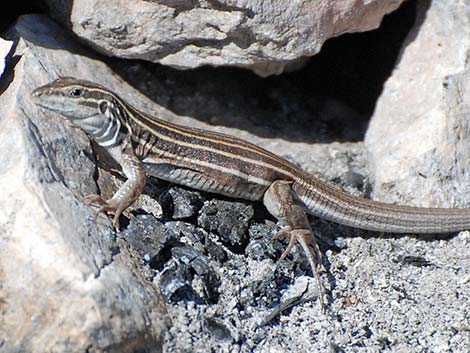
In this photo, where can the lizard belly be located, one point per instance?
(233, 184)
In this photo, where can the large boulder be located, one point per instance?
(66, 283)
(265, 36)
(419, 135)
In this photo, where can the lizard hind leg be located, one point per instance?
(280, 202)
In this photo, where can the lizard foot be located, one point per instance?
(93, 199)
(109, 207)
(305, 239)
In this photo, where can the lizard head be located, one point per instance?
(73, 98)
(87, 105)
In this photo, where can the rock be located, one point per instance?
(67, 283)
(228, 220)
(302, 290)
(200, 264)
(189, 276)
(267, 37)
(262, 245)
(177, 251)
(175, 285)
(181, 203)
(199, 239)
(258, 247)
(419, 134)
(193, 235)
(148, 236)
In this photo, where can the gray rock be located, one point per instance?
(176, 250)
(202, 268)
(181, 203)
(175, 285)
(199, 239)
(194, 236)
(263, 245)
(148, 236)
(419, 136)
(228, 220)
(67, 283)
(267, 37)
(258, 248)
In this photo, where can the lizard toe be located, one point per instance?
(93, 199)
(306, 240)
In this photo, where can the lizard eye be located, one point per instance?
(76, 92)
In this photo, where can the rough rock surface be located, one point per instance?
(265, 36)
(419, 135)
(386, 293)
(66, 283)
(229, 220)
(180, 203)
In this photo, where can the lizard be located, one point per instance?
(218, 163)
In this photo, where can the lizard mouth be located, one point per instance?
(44, 97)
(47, 98)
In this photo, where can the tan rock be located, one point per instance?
(265, 36)
(67, 285)
(419, 135)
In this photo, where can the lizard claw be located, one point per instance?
(110, 206)
(292, 235)
(286, 233)
(305, 239)
(93, 199)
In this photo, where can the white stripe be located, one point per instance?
(106, 132)
(114, 139)
(247, 177)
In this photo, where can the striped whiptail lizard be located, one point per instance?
(226, 165)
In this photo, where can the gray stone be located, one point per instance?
(228, 220)
(181, 203)
(175, 285)
(199, 239)
(200, 264)
(419, 136)
(194, 236)
(188, 276)
(268, 37)
(262, 245)
(148, 236)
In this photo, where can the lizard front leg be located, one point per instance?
(279, 200)
(131, 189)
